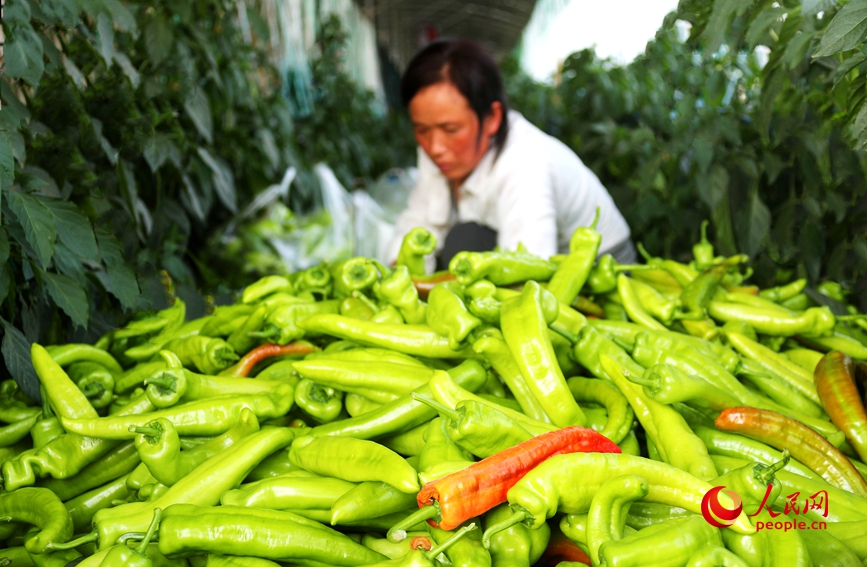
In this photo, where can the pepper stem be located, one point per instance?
(448, 412)
(642, 380)
(142, 430)
(565, 333)
(46, 405)
(644, 253)
(767, 473)
(226, 355)
(704, 224)
(632, 268)
(384, 272)
(366, 300)
(272, 332)
(87, 538)
(130, 536)
(160, 381)
(444, 546)
(857, 317)
(5, 562)
(398, 531)
(93, 390)
(515, 518)
(143, 546)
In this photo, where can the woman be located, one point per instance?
(487, 177)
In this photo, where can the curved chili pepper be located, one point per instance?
(418, 340)
(370, 499)
(448, 502)
(400, 549)
(355, 274)
(176, 315)
(676, 541)
(838, 341)
(440, 448)
(574, 270)
(225, 319)
(835, 383)
(420, 558)
(778, 390)
(423, 284)
(322, 403)
(207, 355)
(467, 552)
(117, 462)
(64, 355)
(525, 320)
(381, 382)
(65, 397)
(397, 289)
(448, 316)
(814, 322)
(633, 306)
(517, 546)
(804, 444)
(95, 382)
(619, 413)
(703, 251)
(266, 286)
(563, 552)
(286, 493)
(356, 460)
(41, 508)
(500, 268)
(418, 243)
(607, 514)
(244, 367)
(314, 279)
(15, 432)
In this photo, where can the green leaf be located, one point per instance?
(63, 11)
(109, 150)
(810, 7)
(106, 38)
(757, 225)
(158, 39)
(124, 285)
(12, 106)
(23, 53)
(38, 224)
(846, 31)
(199, 110)
(796, 50)
(68, 262)
(4, 248)
(73, 228)
(722, 12)
(5, 281)
(128, 69)
(16, 355)
(224, 183)
(859, 128)
(848, 64)
(759, 26)
(17, 12)
(123, 18)
(69, 296)
(7, 161)
(159, 149)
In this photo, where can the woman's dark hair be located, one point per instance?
(469, 67)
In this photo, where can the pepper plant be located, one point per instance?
(700, 129)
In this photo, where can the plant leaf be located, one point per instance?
(5, 280)
(846, 31)
(69, 296)
(128, 69)
(16, 355)
(224, 183)
(159, 149)
(106, 38)
(797, 48)
(121, 15)
(810, 7)
(199, 110)
(7, 161)
(73, 228)
(38, 224)
(718, 23)
(124, 285)
(763, 20)
(62, 11)
(68, 262)
(158, 38)
(23, 53)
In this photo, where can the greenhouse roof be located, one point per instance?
(403, 25)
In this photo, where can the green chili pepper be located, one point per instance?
(65, 355)
(117, 462)
(357, 404)
(632, 304)
(418, 340)
(364, 354)
(266, 286)
(778, 389)
(356, 460)
(676, 442)
(84, 506)
(204, 487)
(95, 382)
(65, 397)
(284, 493)
(703, 251)
(439, 447)
(553, 486)
(322, 403)
(225, 319)
(41, 508)
(676, 541)
(124, 555)
(315, 279)
(178, 312)
(398, 289)
(368, 500)
(403, 413)
(355, 308)
(500, 268)
(517, 546)
(826, 550)
(381, 382)
(840, 342)
(851, 534)
(221, 414)
(573, 272)
(355, 274)
(419, 558)
(697, 294)
(496, 352)
(215, 560)
(12, 434)
(607, 514)
(204, 353)
(448, 316)
(525, 321)
(467, 552)
(620, 414)
(417, 243)
(814, 322)
(282, 325)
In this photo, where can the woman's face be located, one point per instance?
(447, 129)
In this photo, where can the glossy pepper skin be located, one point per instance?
(119, 461)
(322, 403)
(218, 474)
(64, 395)
(440, 448)
(355, 460)
(479, 428)
(675, 541)
(606, 394)
(83, 507)
(667, 385)
(419, 558)
(500, 268)
(67, 354)
(95, 382)
(208, 355)
(467, 552)
(282, 324)
(379, 381)
(176, 314)
(418, 243)
(517, 546)
(607, 514)
(835, 383)
(289, 492)
(802, 442)
(574, 270)
(815, 321)
(482, 301)
(525, 321)
(448, 316)
(398, 290)
(551, 486)
(451, 500)
(633, 306)
(270, 534)
(41, 508)
(266, 286)
(369, 500)
(404, 412)
(123, 555)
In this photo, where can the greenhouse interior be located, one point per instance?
(372, 283)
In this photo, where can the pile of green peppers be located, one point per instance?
(297, 426)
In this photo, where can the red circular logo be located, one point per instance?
(715, 513)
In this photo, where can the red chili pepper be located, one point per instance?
(804, 444)
(243, 367)
(835, 382)
(423, 284)
(561, 548)
(448, 502)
